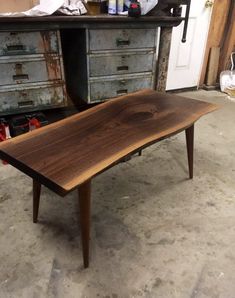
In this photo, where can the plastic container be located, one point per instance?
(120, 6)
(93, 7)
(112, 7)
(227, 80)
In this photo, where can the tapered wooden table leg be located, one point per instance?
(36, 199)
(84, 195)
(190, 146)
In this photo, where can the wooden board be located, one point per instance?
(213, 66)
(86, 21)
(16, 5)
(216, 31)
(229, 40)
(67, 153)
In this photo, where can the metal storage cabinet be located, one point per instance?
(105, 63)
(31, 72)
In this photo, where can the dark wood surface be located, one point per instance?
(86, 21)
(36, 199)
(70, 152)
(189, 132)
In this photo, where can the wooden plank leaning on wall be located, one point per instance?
(228, 45)
(221, 34)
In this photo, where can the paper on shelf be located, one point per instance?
(46, 7)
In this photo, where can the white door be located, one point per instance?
(185, 61)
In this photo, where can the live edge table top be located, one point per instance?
(65, 154)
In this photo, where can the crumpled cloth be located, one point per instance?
(73, 7)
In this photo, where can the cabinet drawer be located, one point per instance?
(112, 64)
(113, 39)
(20, 43)
(16, 71)
(44, 97)
(104, 89)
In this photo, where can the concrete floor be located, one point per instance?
(154, 232)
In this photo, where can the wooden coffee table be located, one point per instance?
(67, 154)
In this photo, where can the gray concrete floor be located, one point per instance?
(154, 232)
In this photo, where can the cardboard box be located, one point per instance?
(16, 5)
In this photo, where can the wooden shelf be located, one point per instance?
(86, 21)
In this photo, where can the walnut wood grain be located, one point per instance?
(70, 152)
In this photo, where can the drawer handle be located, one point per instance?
(122, 42)
(122, 92)
(124, 67)
(20, 77)
(24, 104)
(15, 48)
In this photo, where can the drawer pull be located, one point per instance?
(124, 67)
(122, 42)
(16, 48)
(20, 77)
(23, 104)
(122, 92)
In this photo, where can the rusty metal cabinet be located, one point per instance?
(105, 63)
(31, 72)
